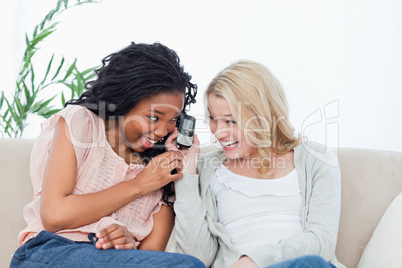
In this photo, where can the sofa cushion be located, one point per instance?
(371, 179)
(385, 246)
(15, 193)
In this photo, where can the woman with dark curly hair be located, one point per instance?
(102, 178)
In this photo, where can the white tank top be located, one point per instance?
(257, 211)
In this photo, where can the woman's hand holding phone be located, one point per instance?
(190, 155)
(158, 172)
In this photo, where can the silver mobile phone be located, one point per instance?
(186, 130)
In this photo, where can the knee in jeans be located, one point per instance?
(193, 262)
(315, 260)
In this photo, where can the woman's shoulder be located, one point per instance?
(84, 126)
(309, 152)
(74, 112)
(311, 148)
(71, 114)
(208, 162)
(212, 158)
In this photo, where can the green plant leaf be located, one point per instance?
(23, 75)
(50, 15)
(41, 106)
(35, 31)
(9, 129)
(30, 99)
(63, 99)
(58, 69)
(85, 72)
(32, 72)
(13, 114)
(80, 87)
(42, 36)
(27, 39)
(92, 75)
(80, 82)
(63, 83)
(49, 113)
(35, 107)
(59, 4)
(70, 69)
(6, 113)
(16, 108)
(46, 103)
(27, 60)
(73, 88)
(1, 100)
(43, 111)
(19, 106)
(48, 69)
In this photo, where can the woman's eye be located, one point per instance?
(231, 122)
(153, 118)
(211, 118)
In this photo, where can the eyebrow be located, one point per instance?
(227, 115)
(161, 113)
(156, 112)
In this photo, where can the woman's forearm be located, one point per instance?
(75, 210)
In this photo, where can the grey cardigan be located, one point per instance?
(199, 233)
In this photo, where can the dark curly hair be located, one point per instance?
(131, 74)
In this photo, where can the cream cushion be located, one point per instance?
(385, 246)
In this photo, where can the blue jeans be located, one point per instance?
(307, 261)
(51, 250)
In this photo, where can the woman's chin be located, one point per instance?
(230, 154)
(137, 147)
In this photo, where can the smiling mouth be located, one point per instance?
(151, 141)
(229, 144)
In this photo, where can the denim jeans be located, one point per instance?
(51, 250)
(307, 261)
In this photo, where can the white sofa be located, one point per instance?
(371, 180)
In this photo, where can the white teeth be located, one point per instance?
(229, 143)
(151, 141)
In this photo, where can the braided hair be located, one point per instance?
(131, 74)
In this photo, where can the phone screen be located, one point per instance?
(187, 126)
(186, 130)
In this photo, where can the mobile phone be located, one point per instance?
(186, 130)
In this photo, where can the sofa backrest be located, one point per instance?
(370, 181)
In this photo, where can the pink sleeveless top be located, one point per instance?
(98, 168)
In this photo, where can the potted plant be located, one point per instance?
(15, 109)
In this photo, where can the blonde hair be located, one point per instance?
(259, 106)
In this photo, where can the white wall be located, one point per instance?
(339, 61)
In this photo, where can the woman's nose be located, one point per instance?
(161, 130)
(221, 131)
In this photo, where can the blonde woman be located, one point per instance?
(264, 199)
